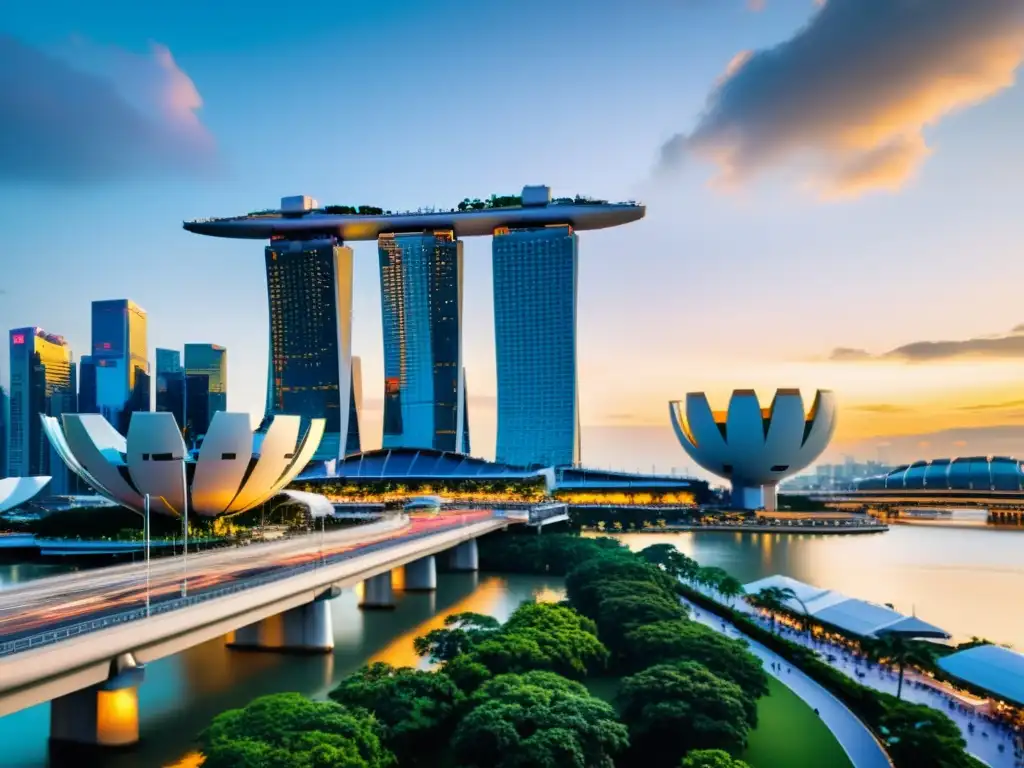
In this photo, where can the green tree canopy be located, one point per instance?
(287, 730)
(584, 586)
(669, 641)
(617, 615)
(460, 632)
(916, 735)
(711, 758)
(673, 708)
(671, 560)
(538, 719)
(416, 710)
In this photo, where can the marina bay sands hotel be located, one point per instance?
(535, 255)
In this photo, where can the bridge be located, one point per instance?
(82, 640)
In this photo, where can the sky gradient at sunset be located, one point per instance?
(829, 189)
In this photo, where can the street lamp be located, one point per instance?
(147, 535)
(184, 496)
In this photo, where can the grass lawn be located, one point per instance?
(790, 735)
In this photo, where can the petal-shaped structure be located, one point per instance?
(228, 477)
(223, 463)
(155, 455)
(752, 446)
(15, 491)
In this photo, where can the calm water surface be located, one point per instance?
(968, 580)
(182, 693)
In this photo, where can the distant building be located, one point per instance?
(465, 448)
(63, 482)
(421, 306)
(41, 368)
(309, 292)
(208, 362)
(198, 415)
(535, 275)
(120, 354)
(87, 402)
(354, 443)
(170, 384)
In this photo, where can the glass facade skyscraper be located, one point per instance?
(309, 290)
(211, 361)
(421, 307)
(87, 385)
(41, 369)
(535, 276)
(170, 384)
(120, 354)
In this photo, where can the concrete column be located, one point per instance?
(464, 557)
(102, 715)
(421, 575)
(305, 629)
(377, 592)
(747, 496)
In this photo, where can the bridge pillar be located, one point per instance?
(464, 557)
(102, 715)
(421, 575)
(304, 629)
(377, 592)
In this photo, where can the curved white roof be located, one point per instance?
(751, 445)
(229, 476)
(15, 491)
(858, 617)
(318, 506)
(990, 667)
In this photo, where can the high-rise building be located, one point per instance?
(63, 481)
(421, 305)
(211, 361)
(120, 354)
(197, 401)
(535, 275)
(354, 443)
(87, 385)
(464, 448)
(41, 367)
(170, 384)
(5, 420)
(309, 290)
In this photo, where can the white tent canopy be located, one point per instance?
(990, 667)
(858, 617)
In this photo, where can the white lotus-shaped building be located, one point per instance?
(233, 471)
(15, 491)
(755, 447)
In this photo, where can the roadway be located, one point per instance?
(69, 599)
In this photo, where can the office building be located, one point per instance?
(87, 402)
(210, 363)
(63, 482)
(120, 355)
(170, 384)
(309, 291)
(535, 276)
(354, 443)
(421, 307)
(41, 367)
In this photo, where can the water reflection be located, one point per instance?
(182, 693)
(966, 580)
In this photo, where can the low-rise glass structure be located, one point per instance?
(970, 473)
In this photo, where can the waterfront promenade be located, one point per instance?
(855, 738)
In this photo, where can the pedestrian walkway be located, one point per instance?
(855, 738)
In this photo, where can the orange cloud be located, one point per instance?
(847, 99)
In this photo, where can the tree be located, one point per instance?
(898, 650)
(461, 631)
(673, 708)
(619, 614)
(538, 719)
(416, 710)
(711, 758)
(287, 730)
(772, 600)
(585, 584)
(671, 560)
(918, 735)
(674, 641)
(730, 588)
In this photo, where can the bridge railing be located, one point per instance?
(58, 634)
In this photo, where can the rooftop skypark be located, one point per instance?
(301, 216)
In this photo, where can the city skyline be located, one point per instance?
(817, 263)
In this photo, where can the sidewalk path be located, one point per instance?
(854, 737)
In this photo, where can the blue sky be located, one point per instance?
(748, 271)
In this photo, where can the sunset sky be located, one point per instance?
(833, 190)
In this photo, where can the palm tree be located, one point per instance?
(730, 588)
(770, 599)
(898, 650)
